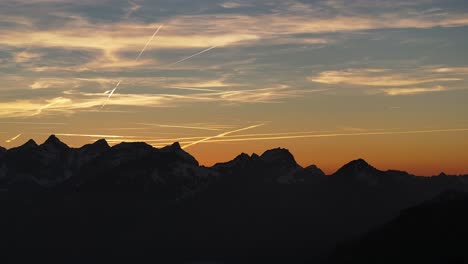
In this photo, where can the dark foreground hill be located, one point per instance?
(134, 203)
(435, 231)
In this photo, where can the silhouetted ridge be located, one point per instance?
(30, 144)
(239, 162)
(2, 149)
(132, 146)
(135, 200)
(355, 167)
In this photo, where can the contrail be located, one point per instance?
(91, 135)
(341, 135)
(189, 127)
(111, 92)
(194, 89)
(147, 43)
(220, 135)
(136, 59)
(13, 139)
(32, 123)
(180, 126)
(189, 57)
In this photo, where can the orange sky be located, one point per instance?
(329, 81)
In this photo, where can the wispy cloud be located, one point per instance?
(452, 70)
(207, 30)
(33, 123)
(410, 91)
(375, 77)
(54, 83)
(134, 7)
(206, 84)
(73, 101)
(25, 56)
(232, 4)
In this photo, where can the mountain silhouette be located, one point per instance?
(133, 201)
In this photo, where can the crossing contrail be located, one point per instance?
(382, 133)
(136, 59)
(220, 135)
(189, 57)
(110, 92)
(13, 139)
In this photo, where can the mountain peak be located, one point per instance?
(315, 170)
(101, 143)
(177, 149)
(174, 147)
(30, 144)
(359, 164)
(280, 155)
(98, 146)
(442, 174)
(54, 142)
(357, 167)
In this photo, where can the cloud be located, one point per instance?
(205, 30)
(452, 70)
(410, 91)
(73, 101)
(230, 5)
(116, 37)
(374, 77)
(134, 7)
(206, 84)
(54, 83)
(26, 56)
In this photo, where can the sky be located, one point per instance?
(330, 80)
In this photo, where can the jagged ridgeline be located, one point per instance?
(134, 200)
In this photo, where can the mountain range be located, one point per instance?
(134, 202)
